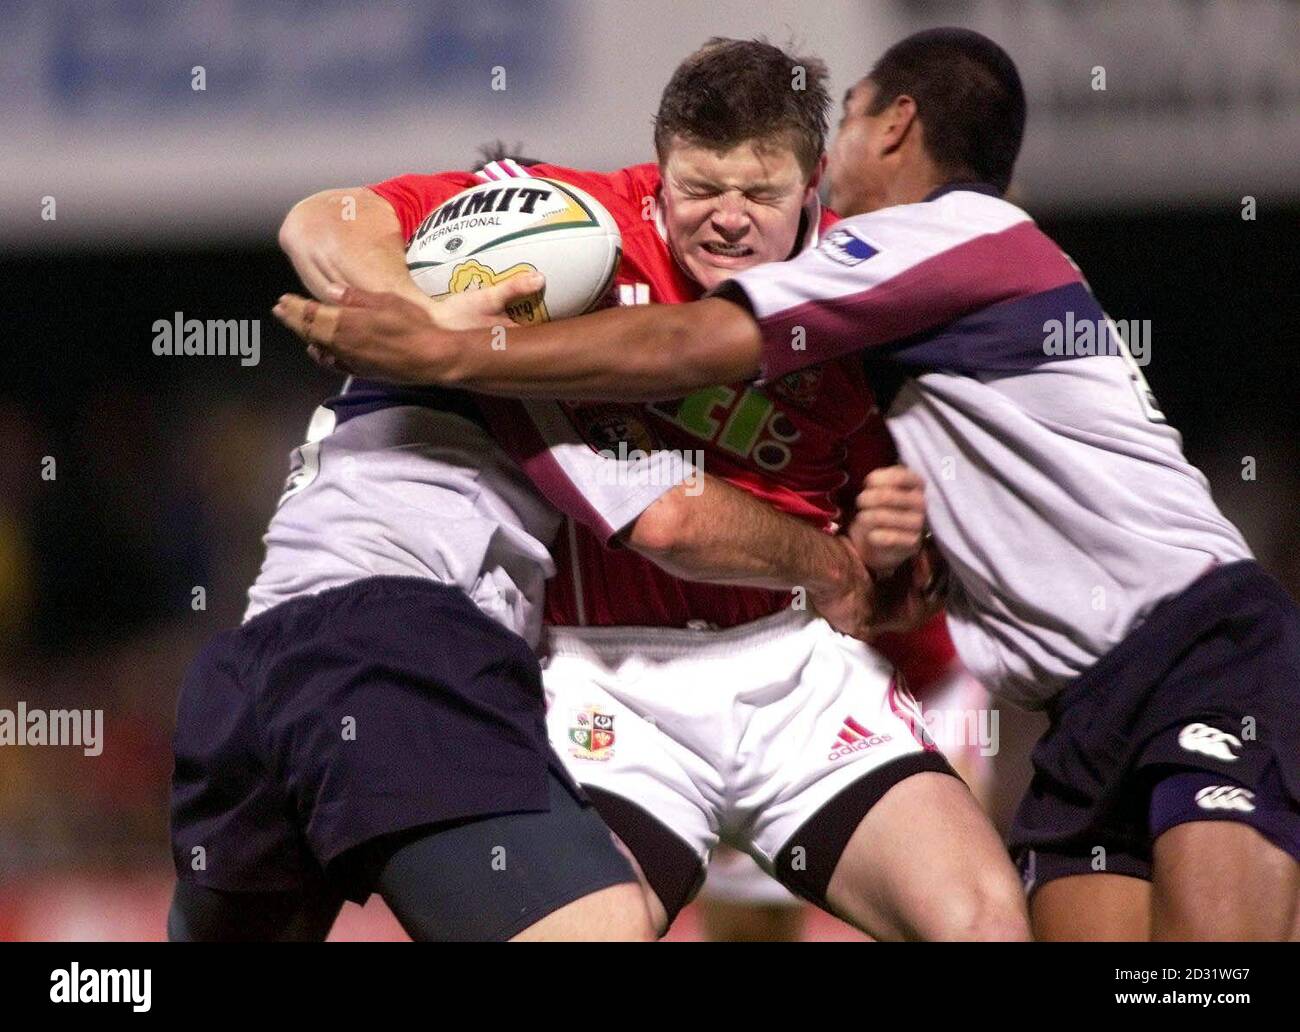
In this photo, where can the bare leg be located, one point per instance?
(925, 863)
(1222, 880)
(1092, 908)
(615, 914)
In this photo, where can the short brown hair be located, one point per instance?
(733, 90)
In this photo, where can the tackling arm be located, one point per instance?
(634, 353)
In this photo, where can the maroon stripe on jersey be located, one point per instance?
(518, 435)
(988, 270)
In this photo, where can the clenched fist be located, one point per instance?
(889, 524)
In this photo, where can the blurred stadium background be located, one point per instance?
(166, 198)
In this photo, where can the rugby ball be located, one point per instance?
(500, 229)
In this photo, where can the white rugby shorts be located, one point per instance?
(740, 735)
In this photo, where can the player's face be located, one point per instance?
(855, 168)
(725, 211)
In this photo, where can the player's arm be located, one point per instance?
(918, 272)
(724, 535)
(641, 352)
(771, 319)
(356, 237)
(350, 236)
(637, 352)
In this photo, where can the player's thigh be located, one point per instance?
(965, 889)
(1092, 907)
(1222, 880)
(495, 878)
(614, 914)
(202, 914)
(852, 793)
(1226, 851)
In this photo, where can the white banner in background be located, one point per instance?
(154, 119)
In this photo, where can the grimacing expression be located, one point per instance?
(726, 211)
(854, 170)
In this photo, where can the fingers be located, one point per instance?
(325, 359)
(314, 322)
(891, 507)
(897, 475)
(885, 551)
(890, 521)
(877, 543)
(508, 303)
(515, 288)
(895, 489)
(354, 297)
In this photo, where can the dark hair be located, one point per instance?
(733, 90)
(968, 97)
(498, 151)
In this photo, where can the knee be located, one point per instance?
(990, 909)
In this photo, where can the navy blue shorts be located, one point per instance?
(1208, 685)
(334, 719)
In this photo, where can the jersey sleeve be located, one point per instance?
(884, 277)
(414, 196)
(598, 489)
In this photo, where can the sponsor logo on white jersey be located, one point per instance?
(1226, 797)
(841, 244)
(1211, 741)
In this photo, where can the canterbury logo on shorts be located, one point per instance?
(1226, 797)
(1211, 741)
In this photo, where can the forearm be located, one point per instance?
(634, 353)
(348, 236)
(727, 536)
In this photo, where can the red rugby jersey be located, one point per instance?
(801, 444)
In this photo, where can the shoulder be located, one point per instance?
(621, 191)
(950, 219)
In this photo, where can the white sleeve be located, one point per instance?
(604, 490)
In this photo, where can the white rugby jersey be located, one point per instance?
(1056, 489)
(412, 482)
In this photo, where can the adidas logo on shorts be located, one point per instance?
(853, 737)
(1211, 741)
(1226, 797)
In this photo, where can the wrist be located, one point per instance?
(841, 575)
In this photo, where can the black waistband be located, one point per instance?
(360, 397)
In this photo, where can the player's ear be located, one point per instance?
(897, 120)
(814, 184)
